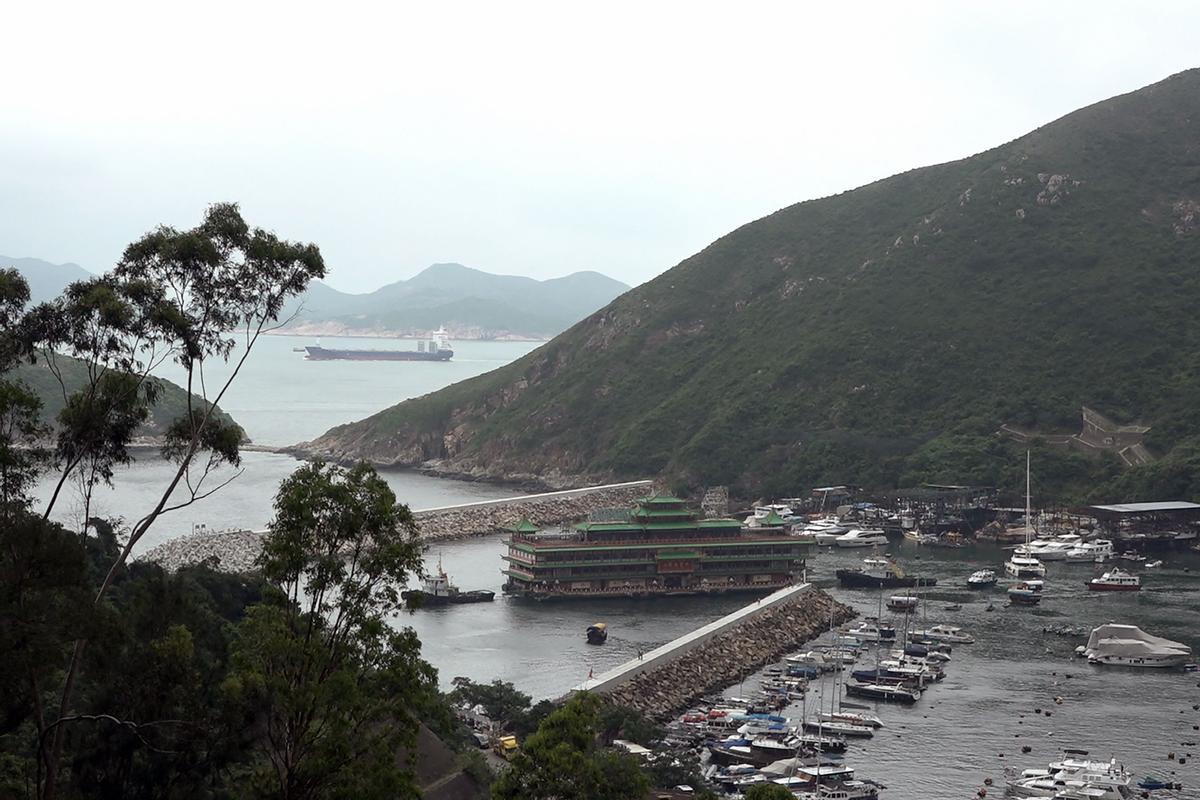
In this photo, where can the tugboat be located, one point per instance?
(1115, 580)
(598, 633)
(437, 590)
(877, 573)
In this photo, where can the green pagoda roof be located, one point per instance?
(772, 519)
(524, 526)
(660, 500)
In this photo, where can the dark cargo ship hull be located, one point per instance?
(855, 579)
(322, 354)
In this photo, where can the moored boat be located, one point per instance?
(1024, 594)
(437, 590)
(982, 579)
(884, 692)
(862, 537)
(1130, 646)
(880, 573)
(902, 602)
(945, 633)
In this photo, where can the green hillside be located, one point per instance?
(882, 335)
(171, 405)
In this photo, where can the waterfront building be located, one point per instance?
(659, 547)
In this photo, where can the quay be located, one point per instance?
(236, 550)
(671, 677)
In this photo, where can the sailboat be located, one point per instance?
(1022, 564)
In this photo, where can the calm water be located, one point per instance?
(949, 742)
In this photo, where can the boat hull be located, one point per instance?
(1113, 587)
(323, 354)
(855, 579)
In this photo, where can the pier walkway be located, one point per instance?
(672, 650)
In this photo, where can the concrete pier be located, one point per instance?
(671, 678)
(672, 650)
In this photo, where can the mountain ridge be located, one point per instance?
(876, 336)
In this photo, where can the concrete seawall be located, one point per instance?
(236, 551)
(670, 678)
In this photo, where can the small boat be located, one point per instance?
(1132, 556)
(1151, 784)
(869, 720)
(598, 633)
(861, 537)
(945, 633)
(1153, 564)
(982, 579)
(1022, 594)
(873, 631)
(1095, 551)
(839, 728)
(1130, 646)
(902, 602)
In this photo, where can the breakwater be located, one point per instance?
(236, 550)
(673, 677)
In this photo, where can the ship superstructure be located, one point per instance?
(659, 547)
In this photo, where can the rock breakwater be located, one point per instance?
(723, 660)
(236, 551)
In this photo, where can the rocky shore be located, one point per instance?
(235, 551)
(725, 659)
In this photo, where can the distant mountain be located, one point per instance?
(469, 302)
(46, 280)
(880, 336)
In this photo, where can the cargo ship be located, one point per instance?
(436, 348)
(659, 547)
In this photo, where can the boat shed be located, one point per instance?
(1169, 511)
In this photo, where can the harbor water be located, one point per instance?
(966, 728)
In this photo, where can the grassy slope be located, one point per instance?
(877, 334)
(171, 405)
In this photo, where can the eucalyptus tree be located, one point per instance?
(193, 297)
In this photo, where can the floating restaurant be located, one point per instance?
(659, 547)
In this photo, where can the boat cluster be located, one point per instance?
(1076, 777)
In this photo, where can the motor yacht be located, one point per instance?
(861, 537)
(945, 633)
(1025, 594)
(1095, 551)
(1115, 580)
(1130, 646)
(873, 631)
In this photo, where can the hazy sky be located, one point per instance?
(523, 138)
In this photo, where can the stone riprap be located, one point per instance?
(727, 658)
(235, 551)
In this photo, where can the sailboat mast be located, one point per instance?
(1028, 504)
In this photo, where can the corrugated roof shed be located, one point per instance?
(1147, 508)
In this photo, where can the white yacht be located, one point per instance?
(982, 578)
(872, 631)
(945, 633)
(861, 537)
(1075, 778)
(1130, 646)
(1050, 549)
(1096, 551)
(1024, 566)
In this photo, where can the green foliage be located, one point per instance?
(564, 761)
(334, 692)
(767, 791)
(835, 340)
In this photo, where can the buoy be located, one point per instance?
(1048, 713)
(1171, 756)
(987, 781)
(1026, 748)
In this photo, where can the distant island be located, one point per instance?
(469, 303)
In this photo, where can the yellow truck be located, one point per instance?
(506, 747)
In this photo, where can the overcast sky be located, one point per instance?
(534, 139)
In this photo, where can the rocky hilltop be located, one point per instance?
(879, 336)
